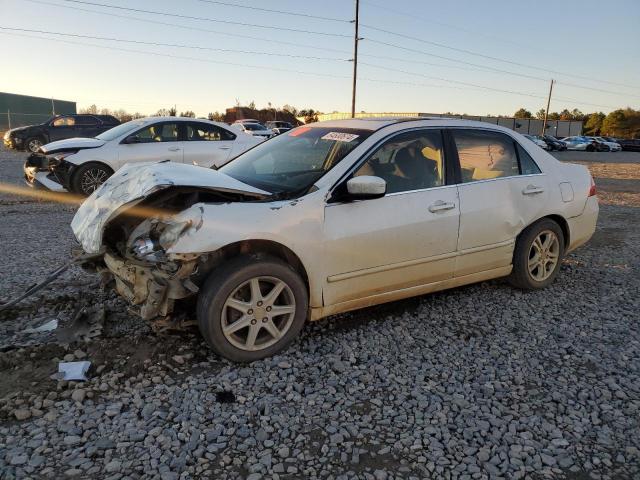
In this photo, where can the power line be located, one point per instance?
(317, 74)
(226, 4)
(157, 54)
(192, 28)
(493, 69)
(430, 20)
(197, 47)
(206, 19)
(483, 87)
(489, 57)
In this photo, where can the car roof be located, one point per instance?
(377, 123)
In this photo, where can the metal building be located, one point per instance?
(18, 110)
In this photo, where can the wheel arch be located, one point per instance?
(562, 223)
(262, 247)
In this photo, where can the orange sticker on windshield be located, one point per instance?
(299, 131)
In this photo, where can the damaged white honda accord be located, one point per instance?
(332, 217)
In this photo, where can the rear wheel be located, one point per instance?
(537, 256)
(590, 148)
(32, 144)
(251, 308)
(88, 177)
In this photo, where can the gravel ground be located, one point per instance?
(477, 382)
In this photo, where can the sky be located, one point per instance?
(414, 56)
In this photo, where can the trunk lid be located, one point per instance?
(133, 183)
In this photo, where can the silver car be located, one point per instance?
(331, 217)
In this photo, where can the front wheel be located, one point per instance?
(89, 177)
(33, 144)
(537, 256)
(252, 307)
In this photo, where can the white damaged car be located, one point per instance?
(81, 165)
(331, 217)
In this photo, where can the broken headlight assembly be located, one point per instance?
(151, 239)
(55, 160)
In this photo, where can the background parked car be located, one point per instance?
(255, 129)
(630, 145)
(279, 126)
(537, 140)
(81, 165)
(554, 143)
(612, 144)
(60, 127)
(580, 143)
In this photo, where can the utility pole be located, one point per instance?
(9, 118)
(546, 112)
(355, 61)
(53, 108)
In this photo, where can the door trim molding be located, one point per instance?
(418, 261)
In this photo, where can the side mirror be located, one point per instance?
(131, 139)
(365, 187)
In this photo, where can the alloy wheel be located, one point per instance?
(544, 255)
(92, 179)
(258, 313)
(34, 144)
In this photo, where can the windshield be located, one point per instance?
(115, 132)
(294, 161)
(254, 126)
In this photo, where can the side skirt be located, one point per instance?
(320, 312)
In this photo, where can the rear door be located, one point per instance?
(502, 190)
(406, 238)
(207, 145)
(87, 126)
(153, 143)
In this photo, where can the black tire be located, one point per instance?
(88, 177)
(521, 276)
(32, 144)
(590, 148)
(224, 281)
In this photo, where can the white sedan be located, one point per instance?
(331, 217)
(81, 165)
(253, 128)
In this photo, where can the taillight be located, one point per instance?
(592, 188)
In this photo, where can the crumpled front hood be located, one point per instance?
(71, 144)
(133, 183)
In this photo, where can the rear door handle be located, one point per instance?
(532, 190)
(174, 149)
(225, 148)
(440, 206)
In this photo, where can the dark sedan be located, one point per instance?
(630, 145)
(60, 127)
(554, 143)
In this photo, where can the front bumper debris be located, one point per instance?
(151, 288)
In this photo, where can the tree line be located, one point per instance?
(623, 123)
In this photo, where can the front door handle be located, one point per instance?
(532, 190)
(174, 149)
(439, 206)
(226, 147)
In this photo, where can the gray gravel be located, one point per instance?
(477, 382)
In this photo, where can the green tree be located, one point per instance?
(188, 113)
(540, 114)
(522, 113)
(554, 116)
(216, 116)
(172, 112)
(593, 125)
(616, 124)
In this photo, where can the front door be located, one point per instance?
(153, 143)
(502, 191)
(406, 238)
(62, 128)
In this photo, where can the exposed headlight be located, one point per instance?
(153, 237)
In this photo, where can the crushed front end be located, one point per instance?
(134, 219)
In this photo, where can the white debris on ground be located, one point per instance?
(478, 382)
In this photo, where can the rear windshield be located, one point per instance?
(294, 161)
(254, 126)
